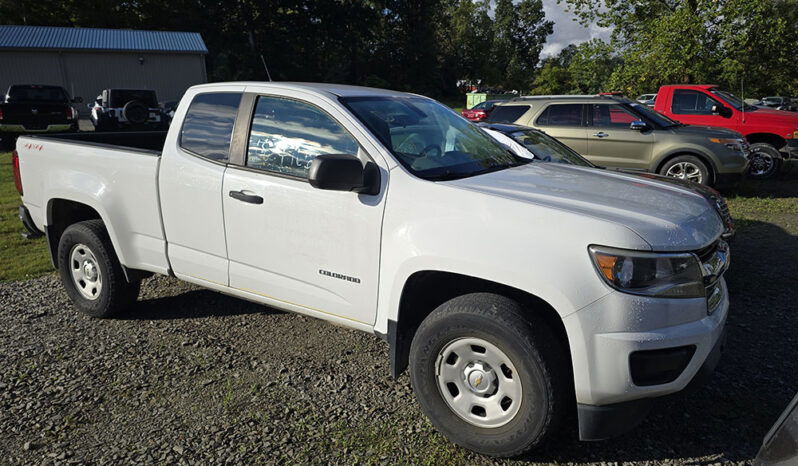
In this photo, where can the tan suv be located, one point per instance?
(620, 133)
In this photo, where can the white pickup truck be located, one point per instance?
(512, 288)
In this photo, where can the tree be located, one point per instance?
(519, 32)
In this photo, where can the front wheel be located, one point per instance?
(91, 273)
(686, 167)
(765, 161)
(487, 377)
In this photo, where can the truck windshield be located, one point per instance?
(733, 100)
(37, 94)
(429, 139)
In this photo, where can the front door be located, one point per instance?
(291, 243)
(612, 143)
(693, 107)
(564, 122)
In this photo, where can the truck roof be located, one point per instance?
(691, 86)
(339, 90)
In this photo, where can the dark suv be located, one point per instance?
(35, 108)
(119, 109)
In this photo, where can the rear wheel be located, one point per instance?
(765, 161)
(686, 167)
(487, 377)
(91, 273)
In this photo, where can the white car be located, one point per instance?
(513, 289)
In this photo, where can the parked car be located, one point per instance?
(647, 99)
(122, 109)
(169, 108)
(773, 134)
(36, 108)
(617, 132)
(511, 289)
(480, 111)
(780, 103)
(535, 144)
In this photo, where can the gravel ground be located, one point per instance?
(191, 376)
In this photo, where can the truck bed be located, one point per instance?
(115, 174)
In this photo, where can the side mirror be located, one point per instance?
(343, 172)
(638, 125)
(77, 100)
(721, 110)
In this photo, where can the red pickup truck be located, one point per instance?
(773, 134)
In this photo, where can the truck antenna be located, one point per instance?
(263, 60)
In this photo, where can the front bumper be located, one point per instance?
(11, 128)
(604, 336)
(791, 149)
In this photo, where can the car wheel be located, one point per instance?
(765, 161)
(487, 377)
(91, 273)
(687, 167)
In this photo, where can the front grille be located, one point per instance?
(714, 262)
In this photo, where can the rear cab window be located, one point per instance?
(507, 113)
(208, 125)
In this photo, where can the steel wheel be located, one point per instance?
(478, 382)
(686, 171)
(85, 271)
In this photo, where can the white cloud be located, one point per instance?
(567, 30)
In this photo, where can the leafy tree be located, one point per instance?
(519, 32)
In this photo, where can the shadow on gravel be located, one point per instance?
(757, 377)
(193, 304)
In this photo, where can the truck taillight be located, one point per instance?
(15, 168)
(69, 112)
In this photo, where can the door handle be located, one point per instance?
(600, 134)
(244, 197)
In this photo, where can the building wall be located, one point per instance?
(86, 74)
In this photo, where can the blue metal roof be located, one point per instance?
(45, 37)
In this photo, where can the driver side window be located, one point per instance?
(286, 135)
(692, 103)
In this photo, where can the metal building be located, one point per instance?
(85, 61)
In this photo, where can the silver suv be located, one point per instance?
(617, 132)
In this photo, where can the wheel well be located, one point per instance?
(426, 290)
(768, 138)
(61, 213)
(701, 157)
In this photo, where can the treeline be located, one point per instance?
(746, 46)
(421, 45)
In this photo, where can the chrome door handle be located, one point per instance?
(600, 134)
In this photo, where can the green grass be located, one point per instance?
(19, 258)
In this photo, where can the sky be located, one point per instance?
(566, 30)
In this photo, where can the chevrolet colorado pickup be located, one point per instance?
(772, 134)
(512, 289)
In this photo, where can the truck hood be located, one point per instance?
(767, 115)
(707, 131)
(667, 216)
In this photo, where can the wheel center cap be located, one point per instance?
(477, 380)
(89, 270)
(480, 378)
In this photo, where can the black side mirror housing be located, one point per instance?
(638, 125)
(344, 172)
(721, 110)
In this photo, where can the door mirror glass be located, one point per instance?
(343, 172)
(638, 125)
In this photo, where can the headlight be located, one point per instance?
(733, 144)
(664, 275)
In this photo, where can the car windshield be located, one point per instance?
(37, 94)
(429, 139)
(733, 100)
(548, 149)
(653, 116)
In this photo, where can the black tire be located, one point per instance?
(540, 363)
(136, 112)
(115, 294)
(766, 161)
(687, 166)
